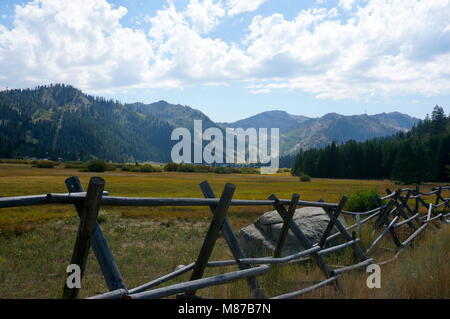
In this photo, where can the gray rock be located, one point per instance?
(260, 239)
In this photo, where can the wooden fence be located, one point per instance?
(395, 210)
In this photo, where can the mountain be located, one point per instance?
(281, 119)
(176, 115)
(299, 132)
(61, 121)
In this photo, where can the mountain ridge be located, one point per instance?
(65, 122)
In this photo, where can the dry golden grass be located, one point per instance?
(36, 242)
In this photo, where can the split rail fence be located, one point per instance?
(395, 210)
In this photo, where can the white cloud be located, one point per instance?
(383, 48)
(386, 47)
(204, 15)
(187, 58)
(240, 6)
(260, 91)
(80, 42)
(346, 4)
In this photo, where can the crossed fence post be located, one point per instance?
(88, 220)
(218, 220)
(99, 243)
(298, 233)
(233, 243)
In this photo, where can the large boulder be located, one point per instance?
(260, 239)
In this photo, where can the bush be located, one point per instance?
(362, 201)
(96, 166)
(126, 168)
(247, 170)
(73, 166)
(171, 167)
(44, 164)
(203, 168)
(149, 169)
(305, 178)
(222, 170)
(110, 167)
(186, 168)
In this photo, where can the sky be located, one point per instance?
(232, 58)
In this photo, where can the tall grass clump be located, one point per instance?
(44, 164)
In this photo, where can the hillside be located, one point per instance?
(61, 121)
(428, 144)
(299, 132)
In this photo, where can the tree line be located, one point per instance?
(420, 155)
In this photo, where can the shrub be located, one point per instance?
(247, 170)
(305, 178)
(44, 164)
(97, 166)
(147, 168)
(362, 201)
(73, 166)
(125, 168)
(171, 167)
(222, 170)
(110, 167)
(186, 168)
(203, 168)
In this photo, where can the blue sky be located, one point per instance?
(232, 59)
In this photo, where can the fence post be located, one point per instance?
(286, 225)
(88, 219)
(341, 228)
(385, 220)
(438, 196)
(212, 234)
(330, 225)
(400, 208)
(416, 206)
(233, 243)
(358, 224)
(99, 243)
(304, 241)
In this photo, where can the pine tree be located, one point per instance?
(404, 166)
(438, 121)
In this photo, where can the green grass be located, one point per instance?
(36, 242)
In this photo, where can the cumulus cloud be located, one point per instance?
(238, 6)
(385, 47)
(80, 42)
(380, 48)
(346, 4)
(204, 15)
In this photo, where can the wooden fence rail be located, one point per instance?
(395, 211)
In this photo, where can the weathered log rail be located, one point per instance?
(395, 211)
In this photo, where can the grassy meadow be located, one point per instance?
(36, 242)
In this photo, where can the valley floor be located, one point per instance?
(36, 242)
